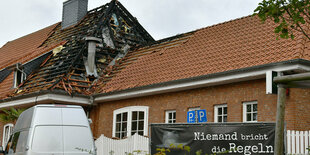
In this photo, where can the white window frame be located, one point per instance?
(167, 119)
(196, 114)
(252, 112)
(22, 78)
(216, 107)
(129, 111)
(5, 138)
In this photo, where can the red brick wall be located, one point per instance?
(297, 105)
(297, 109)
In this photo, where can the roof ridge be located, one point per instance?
(193, 31)
(225, 22)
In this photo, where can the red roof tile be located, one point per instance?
(236, 44)
(25, 48)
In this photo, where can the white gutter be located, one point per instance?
(223, 79)
(47, 98)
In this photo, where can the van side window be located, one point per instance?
(14, 142)
(18, 142)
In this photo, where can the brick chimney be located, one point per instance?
(73, 11)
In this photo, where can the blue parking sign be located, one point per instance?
(202, 115)
(191, 115)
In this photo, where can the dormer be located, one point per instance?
(19, 75)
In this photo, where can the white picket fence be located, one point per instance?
(298, 142)
(132, 144)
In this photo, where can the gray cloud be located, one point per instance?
(161, 18)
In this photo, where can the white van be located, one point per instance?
(52, 130)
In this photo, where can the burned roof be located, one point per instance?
(115, 30)
(127, 57)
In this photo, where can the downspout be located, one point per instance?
(89, 63)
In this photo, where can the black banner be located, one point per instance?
(215, 138)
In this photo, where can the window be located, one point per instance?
(170, 116)
(130, 120)
(18, 142)
(220, 113)
(196, 113)
(19, 77)
(250, 111)
(7, 131)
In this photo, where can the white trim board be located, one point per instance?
(46, 98)
(224, 79)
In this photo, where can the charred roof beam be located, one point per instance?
(139, 26)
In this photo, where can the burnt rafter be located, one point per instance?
(66, 69)
(71, 64)
(135, 22)
(103, 19)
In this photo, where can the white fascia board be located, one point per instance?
(212, 81)
(46, 98)
(63, 98)
(17, 102)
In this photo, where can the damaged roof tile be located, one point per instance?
(65, 70)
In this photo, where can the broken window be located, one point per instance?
(19, 77)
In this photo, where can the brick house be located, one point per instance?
(108, 63)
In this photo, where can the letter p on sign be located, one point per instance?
(202, 115)
(191, 117)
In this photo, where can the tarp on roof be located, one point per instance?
(34, 64)
(4, 73)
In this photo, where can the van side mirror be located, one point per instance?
(1, 150)
(90, 121)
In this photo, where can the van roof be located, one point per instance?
(58, 106)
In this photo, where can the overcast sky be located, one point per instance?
(161, 18)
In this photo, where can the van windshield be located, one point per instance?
(24, 120)
(17, 142)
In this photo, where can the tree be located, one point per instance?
(10, 115)
(291, 16)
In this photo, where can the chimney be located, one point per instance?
(73, 11)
